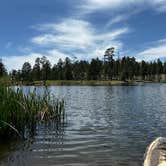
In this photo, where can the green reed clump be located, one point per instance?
(19, 112)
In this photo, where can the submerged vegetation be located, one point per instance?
(20, 112)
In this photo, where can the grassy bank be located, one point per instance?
(20, 112)
(80, 82)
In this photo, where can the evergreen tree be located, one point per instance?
(124, 69)
(164, 68)
(77, 71)
(54, 73)
(36, 70)
(116, 69)
(94, 69)
(45, 68)
(68, 69)
(14, 75)
(60, 70)
(26, 72)
(2, 69)
(159, 69)
(144, 70)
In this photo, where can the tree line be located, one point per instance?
(124, 69)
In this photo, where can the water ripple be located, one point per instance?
(105, 126)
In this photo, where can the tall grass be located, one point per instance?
(19, 112)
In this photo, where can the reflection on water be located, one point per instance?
(105, 126)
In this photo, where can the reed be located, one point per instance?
(19, 112)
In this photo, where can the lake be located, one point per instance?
(104, 126)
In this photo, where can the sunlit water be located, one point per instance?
(104, 126)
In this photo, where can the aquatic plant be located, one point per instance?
(19, 111)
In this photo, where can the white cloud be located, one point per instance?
(97, 50)
(154, 52)
(159, 5)
(90, 6)
(112, 5)
(69, 33)
(81, 35)
(16, 62)
(24, 50)
(81, 39)
(113, 35)
(122, 17)
(117, 19)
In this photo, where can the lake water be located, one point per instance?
(104, 126)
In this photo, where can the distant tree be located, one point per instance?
(68, 69)
(137, 69)
(109, 69)
(94, 69)
(123, 72)
(109, 63)
(26, 72)
(164, 68)
(154, 68)
(144, 69)
(14, 75)
(19, 75)
(37, 70)
(131, 67)
(2, 68)
(80, 70)
(116, 69)
(159, 69)
(77, 71)
(45, 68)
(60, 69)
(126, 68)
(149, 71)
(84, 68)
(54, 73)
(109, 53)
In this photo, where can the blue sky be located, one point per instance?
(81, 29)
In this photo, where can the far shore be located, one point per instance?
(85, 83)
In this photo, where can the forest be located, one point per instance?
(125, 68)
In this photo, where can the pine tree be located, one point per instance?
(26, 72)
(45, 68)
(2, 69)
(68, 69)
(37, 70)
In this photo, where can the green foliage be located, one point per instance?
(3, 71)
(45, 68)
(68, 69)
(36, 70)
(20, 112)
(26, 72)
(94, 69)
(126, 68)
(164, 68)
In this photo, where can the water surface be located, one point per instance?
(105, 126)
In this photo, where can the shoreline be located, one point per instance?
(85, 83)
